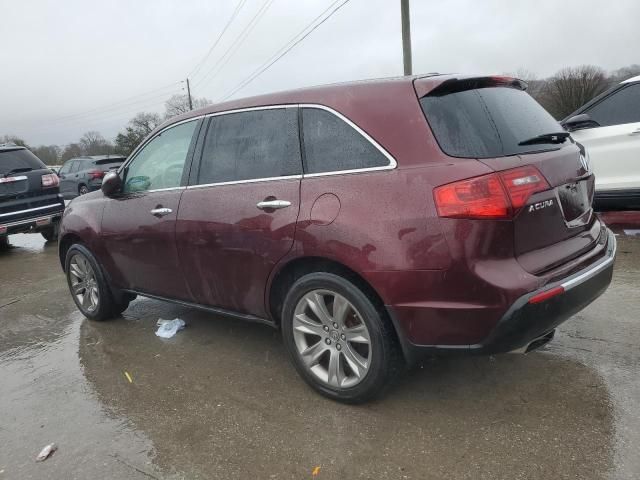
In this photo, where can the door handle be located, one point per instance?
(273, 204)
(161, 212)
(635, 132)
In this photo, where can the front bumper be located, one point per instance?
(533, 316)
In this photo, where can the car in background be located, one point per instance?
(30, 200)
(609, 128)
(372, 222)
(81, 175)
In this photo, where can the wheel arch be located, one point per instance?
(295, 268)
(64, 243)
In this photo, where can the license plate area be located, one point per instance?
(575, 202)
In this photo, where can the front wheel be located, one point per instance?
(83, 190)
(340, 342)
(88, 286)
(50, 233)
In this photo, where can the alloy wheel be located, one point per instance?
(84, 285)
(83, 190)
(331, 338)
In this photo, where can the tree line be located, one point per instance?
(561, 94)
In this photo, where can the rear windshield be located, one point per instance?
(487, 122)
(18, 159)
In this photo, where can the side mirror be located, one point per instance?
(111, 184)
(578, 122)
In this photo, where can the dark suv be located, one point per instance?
(29, 196)
(82, 175)
(372, 222)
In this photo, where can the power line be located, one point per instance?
(115, 105)
(236, 43)
(287, 48)
(215, 44)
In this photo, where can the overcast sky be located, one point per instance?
(75, 65)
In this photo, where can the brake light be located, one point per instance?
(93, 174)
(496, 195)
(50, 180)
(521, 183)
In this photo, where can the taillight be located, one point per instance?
(50, 180)
(93, 174)
(496, 195)
(521, 183)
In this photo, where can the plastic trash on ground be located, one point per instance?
(168, 328)
(46, 452)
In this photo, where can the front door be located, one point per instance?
(237, 219)
(139, 224)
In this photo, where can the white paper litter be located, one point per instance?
(46, 452)
(168, 328)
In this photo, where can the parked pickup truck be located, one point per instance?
(30, 199)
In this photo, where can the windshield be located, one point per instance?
(488, 122)
(18, 159)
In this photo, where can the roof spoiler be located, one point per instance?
(453, 85)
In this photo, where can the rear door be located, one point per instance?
(614, 146)
(237, 218)
(138, 225)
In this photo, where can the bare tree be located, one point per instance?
(571, 88)
(624, 73)
(70, 151)
(139, 127)
(13, 139)
(49, 154)
(179, 104)
(93, 143)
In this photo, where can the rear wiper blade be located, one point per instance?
(17, 170)
(557, 137)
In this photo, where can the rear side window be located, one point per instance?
(331, 144)
(619, 108)
(11, 160)
(251, 145)
(487, 122)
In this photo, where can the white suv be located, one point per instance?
(609, 128)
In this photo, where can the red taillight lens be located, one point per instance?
(50, 180)
(480, 197)
(93, 174)
(521, 183)
(496, 195)
(546, 295)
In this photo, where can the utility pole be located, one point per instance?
(406, 37)
(189, 94)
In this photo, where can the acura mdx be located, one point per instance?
(372, 222)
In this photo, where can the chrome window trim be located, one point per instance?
(168, 189)
(35, 209)
(252, 180)
(392, 161)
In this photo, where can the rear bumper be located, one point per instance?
(527, 320)
(32, 219)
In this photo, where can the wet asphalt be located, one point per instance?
(220, 400)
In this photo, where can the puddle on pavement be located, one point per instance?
(220, 400)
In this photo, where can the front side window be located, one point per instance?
(617, 109)
(75, 166)
(161, 162)
(331, 144)
(251, 145)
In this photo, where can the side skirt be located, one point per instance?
(220, 311)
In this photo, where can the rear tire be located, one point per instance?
(351, 327)
(50, 233)
(89, 288)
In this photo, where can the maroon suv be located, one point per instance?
(372, 222)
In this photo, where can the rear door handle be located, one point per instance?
(161, 212)
(273, 204)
